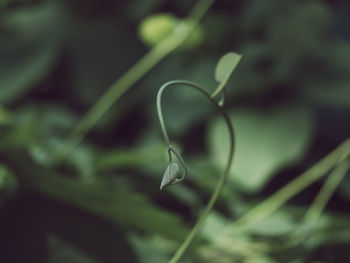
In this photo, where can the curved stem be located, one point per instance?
(160, 117)
(184, 246)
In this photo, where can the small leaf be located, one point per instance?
(224, 69)
(225, 66)
(170, 175)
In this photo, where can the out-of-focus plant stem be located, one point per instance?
(326, 192)
(278, 199)
(147, 62)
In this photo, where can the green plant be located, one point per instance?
(288, 110)
(337, 160)
(223, 71)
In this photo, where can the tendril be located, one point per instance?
(171, 175)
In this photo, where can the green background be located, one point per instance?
(288, 99)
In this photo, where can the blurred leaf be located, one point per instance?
(277, 224)
(214, 224)
(156, 28)
(266, 142)
(120, 204)
(28, 55)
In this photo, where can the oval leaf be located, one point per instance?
(225, 66)
(224, 69)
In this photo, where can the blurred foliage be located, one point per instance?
(284, 134)
(288, 99)
(156, 28)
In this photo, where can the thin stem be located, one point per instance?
(326, 192)
(317, 206)
(160, 115)
(219, 89)
(105, 102)
(279, 198)
(184, 246)
(169, 154)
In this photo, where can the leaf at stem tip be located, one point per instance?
(170, 175)
(225, 66)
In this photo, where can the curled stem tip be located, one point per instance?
(172, 172)
(171, 175)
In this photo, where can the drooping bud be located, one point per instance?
(170, 175)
